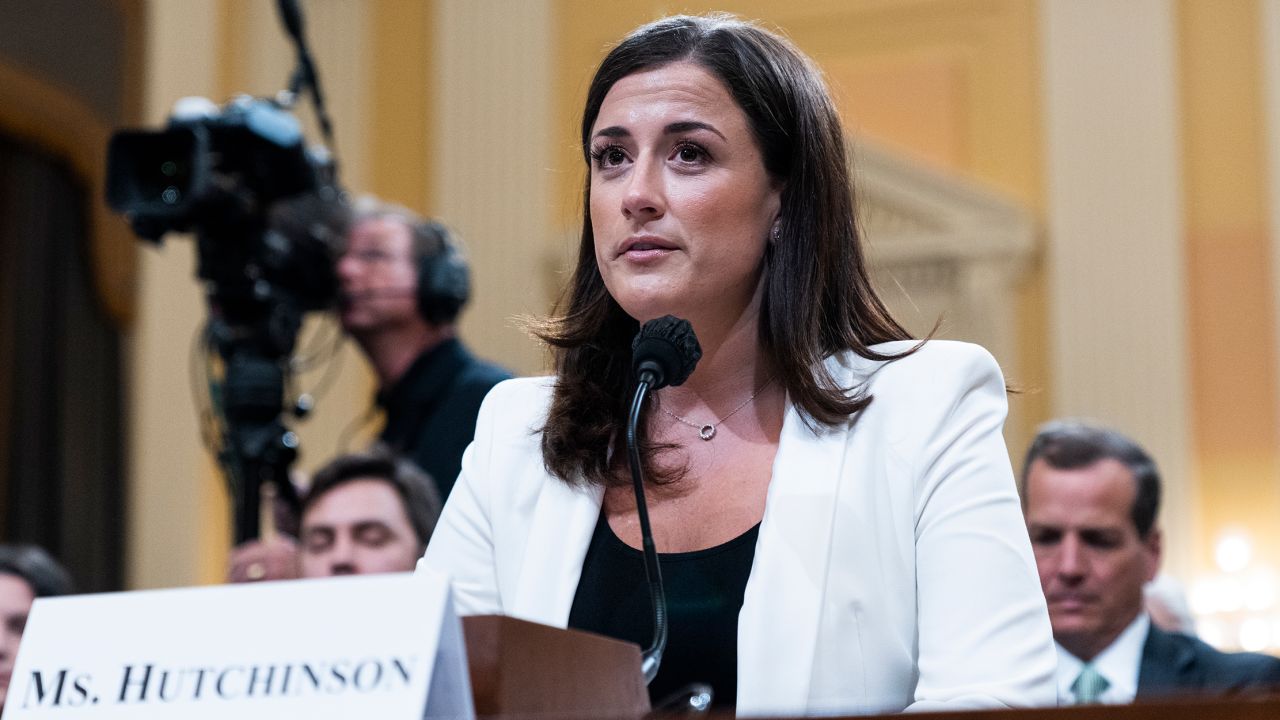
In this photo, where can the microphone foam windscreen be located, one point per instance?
(669, 344)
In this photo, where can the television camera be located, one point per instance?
(267, 213)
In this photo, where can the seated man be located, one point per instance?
(1090, 496)
(366, 513)
(369, 512)
(26, 573)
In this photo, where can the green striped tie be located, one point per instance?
(1089, 686)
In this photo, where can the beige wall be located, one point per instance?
(1117, 288)
(490, 164)
(173, 493)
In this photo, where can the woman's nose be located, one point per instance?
(645, 198)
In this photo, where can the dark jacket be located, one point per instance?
(431, 410)
(1175, 664)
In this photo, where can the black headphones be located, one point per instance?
(444, 280)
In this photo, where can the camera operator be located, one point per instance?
(403, 283)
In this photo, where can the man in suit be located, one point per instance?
(1090, 496)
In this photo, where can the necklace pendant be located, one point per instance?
(707, 432)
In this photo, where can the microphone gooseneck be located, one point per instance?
(663, 353)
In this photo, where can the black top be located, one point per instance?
(704, 594)
(431, 410)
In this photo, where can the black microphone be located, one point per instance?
(664, 353)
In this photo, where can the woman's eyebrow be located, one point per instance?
(613, 131)
(687, 125)
(617, 131)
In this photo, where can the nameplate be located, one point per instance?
(384, 646)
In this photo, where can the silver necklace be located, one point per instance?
(708, 431)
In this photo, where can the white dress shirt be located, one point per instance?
(1119, 663)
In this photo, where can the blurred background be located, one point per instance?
(1089, 188)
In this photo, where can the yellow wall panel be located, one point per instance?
(1228, 272)
(913, 104)
(402, 72)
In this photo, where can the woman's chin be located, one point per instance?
(645, 304)
(643, 312)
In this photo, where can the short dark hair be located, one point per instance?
(818, 296)
(416, 489)
(1072, 444)
(38, 568)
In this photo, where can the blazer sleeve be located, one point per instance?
(984, 633)
(462, 545)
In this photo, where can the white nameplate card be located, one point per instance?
(376, 646)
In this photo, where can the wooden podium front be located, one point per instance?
(1187, 709)
(521, 669)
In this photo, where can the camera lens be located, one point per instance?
(153, 173)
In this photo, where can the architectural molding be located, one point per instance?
(34, 111)
(944, 249)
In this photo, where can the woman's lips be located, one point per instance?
(646, 247)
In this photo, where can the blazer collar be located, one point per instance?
(782, 607)
(564, 516)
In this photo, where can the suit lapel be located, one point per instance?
(564, 517)
(782, 608)
(1168, 667)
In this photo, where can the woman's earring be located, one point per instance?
(776, 232)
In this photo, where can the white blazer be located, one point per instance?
(892, 568)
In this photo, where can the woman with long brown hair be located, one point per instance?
(832, 500)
